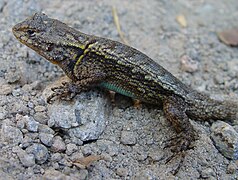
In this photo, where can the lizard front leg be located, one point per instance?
(68, 90)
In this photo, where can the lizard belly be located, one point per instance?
(117, 89)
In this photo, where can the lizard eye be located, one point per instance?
(31, 33)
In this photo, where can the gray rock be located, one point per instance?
(122, 171)
(26, 142)
(46, 139)
(77, 116)
(2, 115)
(56, 157)
(45, 129)
(208, 173)
(31, 124)
(20, 124)
(5, 89)
(40, 108)
(51, 174)
(11, 134)
(26, 159)
(145, 174)
(58, 144)
(128, 138)
(39, 151)
(76, 141)
(231, 168)
(41, 117)
(13, 76)
(225, 139)
(71, 148)
(86, 150)
(188, 64)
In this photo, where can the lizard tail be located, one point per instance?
(206, 108)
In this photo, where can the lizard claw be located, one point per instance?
(178, 145)
(180, 142)
(66, 91)
(179, 158)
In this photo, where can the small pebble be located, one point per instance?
(188, 64)
(31, 124)
(30, 104)
(5, 89)
(40, 108)
(39, 151)
(11, 134)
(56, 157)
(46, 139)
(225, 139)
(12, 77)
(58, 144)
(20, 124)
(122, 171)
(3, 115)
(45, 129)
(71, 148)
(232, 168)
(41, 117)
(128, 138)
(26, 159)
(52, 174)
(208, 173)
(86, 150)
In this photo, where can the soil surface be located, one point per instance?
(92, 138)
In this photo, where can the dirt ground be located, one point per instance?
(39, 140)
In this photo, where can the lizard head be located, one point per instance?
(50, 38)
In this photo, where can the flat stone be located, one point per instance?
(77, 116)
(225, 139)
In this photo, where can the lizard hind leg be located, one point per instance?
(174, 109)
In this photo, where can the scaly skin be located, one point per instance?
(94, 61)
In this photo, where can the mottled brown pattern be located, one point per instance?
(94, 61)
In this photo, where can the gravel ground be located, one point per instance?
(39, 140)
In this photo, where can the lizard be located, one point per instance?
(92, 61)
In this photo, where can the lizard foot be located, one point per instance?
(178, 145)
(176, 159)
(66, 91)
(180, 142)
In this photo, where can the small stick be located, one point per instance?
(116, 21)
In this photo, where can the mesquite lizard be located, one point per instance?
(91, 61)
